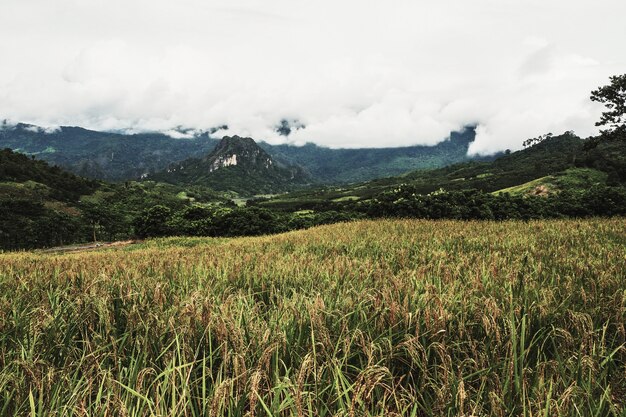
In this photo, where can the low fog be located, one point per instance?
(344, 74)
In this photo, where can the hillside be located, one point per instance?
(16, 168)
(236, 164)
(354, 165)
(43, 205)
(102, 155)
(551, 157)
(119, 157)
(562, 176)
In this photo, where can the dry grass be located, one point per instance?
(375, 318)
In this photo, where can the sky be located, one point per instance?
(354, 73)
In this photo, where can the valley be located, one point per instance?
(312, 209)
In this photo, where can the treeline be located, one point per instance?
(240, 221)
(29, 224)
(38, 226)
(477, 205)
(402, 202)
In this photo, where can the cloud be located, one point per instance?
(38, 129)
(356, 74)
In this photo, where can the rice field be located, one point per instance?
(371, 318)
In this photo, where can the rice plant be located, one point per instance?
(372, 318)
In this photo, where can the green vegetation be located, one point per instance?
(18, 168)
(379, 318)
(570, 179)
(103, 155)
(613, 96)
(42, 205)
(237, 165)
(121, 157)
(574, 165)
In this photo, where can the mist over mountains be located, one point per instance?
(120, 157)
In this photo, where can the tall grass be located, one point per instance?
(375, 318)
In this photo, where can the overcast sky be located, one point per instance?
(357, 73)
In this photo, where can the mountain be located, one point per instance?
(558, 163)
(103, 155)
(43, 205)
(330, 166)
(121, 157)
(236, 164)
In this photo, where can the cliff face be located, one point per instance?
(236, 164)
(234, 151)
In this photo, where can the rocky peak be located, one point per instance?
(234, 151)
(236, 164)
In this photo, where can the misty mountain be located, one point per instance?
(103, 155)
(328, 165)
(559, 163)
(236, 164)
(119, 157)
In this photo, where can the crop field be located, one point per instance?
(371, 318)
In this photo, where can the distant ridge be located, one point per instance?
(114, 156)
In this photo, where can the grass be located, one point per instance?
(374, 318)
(347, 198)
(570, 179)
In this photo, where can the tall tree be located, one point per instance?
(613, 96)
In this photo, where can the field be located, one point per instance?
(374, 318)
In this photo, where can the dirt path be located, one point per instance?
(88, 246)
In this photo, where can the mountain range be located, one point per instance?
(122, 157)
(44, 205)
(559, 163)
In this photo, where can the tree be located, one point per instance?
(613, 96)
(153, 222)
(534, 141)
(105, 219)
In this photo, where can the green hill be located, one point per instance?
(570, 179)
(58, 184)
(43, 205)
(239, 165)
(555, 156)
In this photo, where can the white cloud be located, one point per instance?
(355, 73)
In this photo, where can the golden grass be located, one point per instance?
(405, 317)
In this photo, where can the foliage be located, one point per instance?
(534, 141)
(551, 156)
(477, 205)
(43, 206)
(578, 182)
(613, 96)
(154, 222)
(385, 318)
(120, 157)
(254, 170)
(15, 167)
